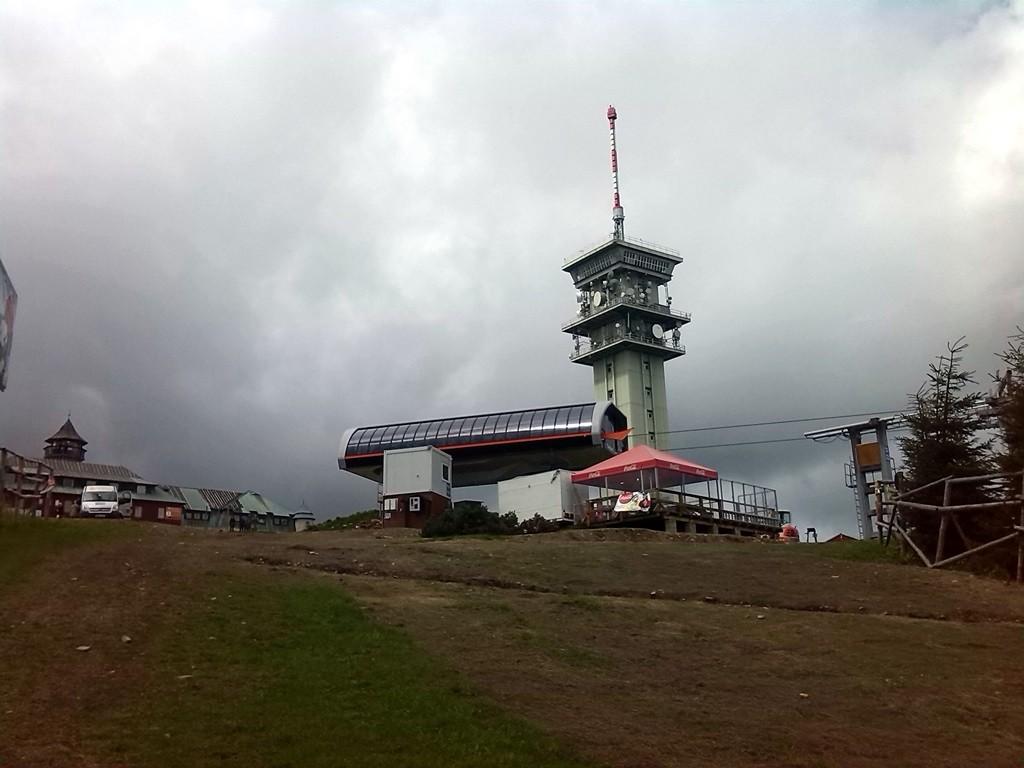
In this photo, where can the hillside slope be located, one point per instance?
(624, 648)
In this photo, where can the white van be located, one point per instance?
(99, 501)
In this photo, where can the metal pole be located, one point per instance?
(862, 488)
(882, 436)
(618, 216)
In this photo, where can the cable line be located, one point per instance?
(730, 445)
(780, 421)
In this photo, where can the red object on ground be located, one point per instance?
(789, 531)
(635, 460)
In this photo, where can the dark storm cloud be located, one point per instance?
(236, 229)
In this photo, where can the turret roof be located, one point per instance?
(67, 432)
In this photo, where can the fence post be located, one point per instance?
(947, 494)
(1020, 534)
(1020, 557)
(21, 473)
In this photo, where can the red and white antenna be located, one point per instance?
(618, 215)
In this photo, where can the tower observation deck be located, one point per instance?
(625, 326)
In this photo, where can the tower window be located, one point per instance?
(611, 394)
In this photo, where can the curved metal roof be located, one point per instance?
(568, 420)
(567, 436)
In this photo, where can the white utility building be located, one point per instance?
(548, 494)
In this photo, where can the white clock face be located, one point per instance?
(597, 299)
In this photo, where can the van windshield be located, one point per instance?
(99, 496)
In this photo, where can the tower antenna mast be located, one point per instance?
(618, 215)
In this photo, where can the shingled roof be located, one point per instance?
(68, 432)
(90, 471)
(218, 499)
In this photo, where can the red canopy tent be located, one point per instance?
(643, 468)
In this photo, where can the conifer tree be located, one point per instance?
(945, 423)
(1009, 405)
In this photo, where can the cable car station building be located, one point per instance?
(492, 447)
(626, 329)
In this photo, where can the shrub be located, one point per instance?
(466, 518)
(538, 524)
(345, 522)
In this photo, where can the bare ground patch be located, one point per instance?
(634, 682)
(728, 572)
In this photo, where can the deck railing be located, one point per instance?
(627, 240)
(587, 345)
(760, 510)
(633, 301)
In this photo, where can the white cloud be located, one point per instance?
(247, 226)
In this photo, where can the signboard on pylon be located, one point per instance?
(8, 306)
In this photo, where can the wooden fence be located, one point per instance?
(22, 482)
(889, 508)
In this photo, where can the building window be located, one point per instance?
(160, 513)
(138, 510)
(444, 472)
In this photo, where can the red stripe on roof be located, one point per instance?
(456, 446)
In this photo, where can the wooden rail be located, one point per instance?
(888, 518)
(22, 481)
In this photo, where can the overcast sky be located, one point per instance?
(237, 229)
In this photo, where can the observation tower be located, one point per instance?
(625, 327)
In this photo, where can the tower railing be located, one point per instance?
(587, 346)
(627, 240)
(587, 311)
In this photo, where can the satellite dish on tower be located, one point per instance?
(657, 331)
(597, 298)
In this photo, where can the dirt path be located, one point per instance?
(728, 573)
(641, 682)
(744, 656)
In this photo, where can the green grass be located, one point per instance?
(293, 673)
(346, 522)
(862, 551)
(26, 541)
